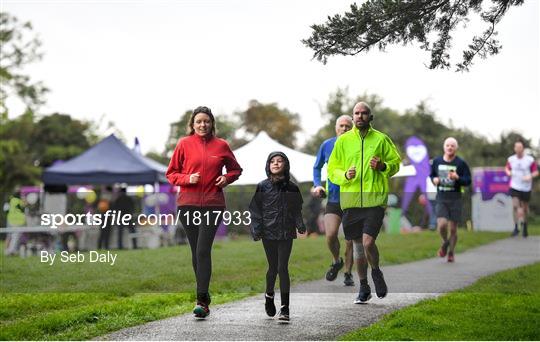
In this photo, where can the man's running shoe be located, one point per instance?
(525, 232)
(348, 281)
(443, 249)
(269, 305)
(331, 275)
(380, 285)
(284, 313)
(201, 310)
(515, 232)
(363, 295)
(451, 257)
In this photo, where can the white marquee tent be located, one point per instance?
(252, 158)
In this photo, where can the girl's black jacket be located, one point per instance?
(276, 207)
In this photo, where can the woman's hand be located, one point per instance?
(194, 178)
(221, 181)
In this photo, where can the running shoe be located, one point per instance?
(525, 232)
(348, 280)
(380, 285)
(284, 313)
(363, 295)
(201, 310)
(331, 275)
(451, 257)
(444, 248)
(515, 233)
(269, 305)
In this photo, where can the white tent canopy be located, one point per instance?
(252, 158)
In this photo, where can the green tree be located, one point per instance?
(19, 48)
(28, 144)
(279, 123)
(420, 121)
(58, 137)
(431, 23)
(340, 103)
(17, 164)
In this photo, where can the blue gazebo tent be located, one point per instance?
(108, 162)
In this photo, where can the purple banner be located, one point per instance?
(490, 181)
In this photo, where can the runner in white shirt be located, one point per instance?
(521, 169)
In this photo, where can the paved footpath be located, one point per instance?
(322, 310)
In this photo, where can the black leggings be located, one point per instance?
(200, 237)
(277, 254)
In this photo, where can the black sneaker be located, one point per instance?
(284, 313)
(363, 295)
(380, 285)
(515, 233)
(332, 272)
(525, 231)
(348, 281)
(269, 305)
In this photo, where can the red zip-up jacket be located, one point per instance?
(206, 155)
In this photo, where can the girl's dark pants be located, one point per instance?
(277, 254)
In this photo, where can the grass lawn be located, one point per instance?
(503, 306)
(82, 300)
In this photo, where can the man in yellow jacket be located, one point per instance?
(362, 161)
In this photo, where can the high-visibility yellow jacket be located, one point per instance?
(369, 188)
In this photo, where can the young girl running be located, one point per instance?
(276, 214)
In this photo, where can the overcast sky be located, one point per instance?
(143, 63)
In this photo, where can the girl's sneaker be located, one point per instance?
(201, 310)
(269, 305)
(284, 314)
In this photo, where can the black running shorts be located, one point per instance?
(359, 221)
(524, 196)
(333, 208)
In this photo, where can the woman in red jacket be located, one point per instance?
(196, 166)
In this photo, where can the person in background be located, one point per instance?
(104, 204)
(124, 205)
(449, 173)
(333, 212)
(521, 169)
(15, 218)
